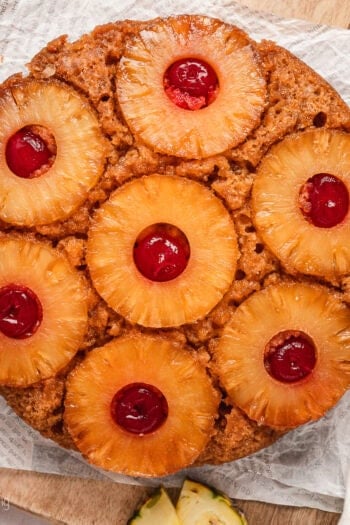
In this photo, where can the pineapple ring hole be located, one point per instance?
(290, 356)
(21, 312)
(31, 151)
(161, 252)
(191, 83)
(139, 408)
(324, 200)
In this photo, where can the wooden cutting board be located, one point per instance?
(75, 501)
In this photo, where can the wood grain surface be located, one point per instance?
(73, 501)
(329, 12)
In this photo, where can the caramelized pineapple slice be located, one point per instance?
(140, 405)
(52, 152)
(284, 359)
(162, 251)
(301, 202)
(43, 312)
(201, 505)
(191, 86)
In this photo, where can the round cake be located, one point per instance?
(174, 244)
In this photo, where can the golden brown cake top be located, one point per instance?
(140, 167)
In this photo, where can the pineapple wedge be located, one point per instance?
(202, 505)
(157, 509)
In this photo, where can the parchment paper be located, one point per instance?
(306, 467)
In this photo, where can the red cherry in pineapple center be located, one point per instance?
(139, 408)
(324, 200)
(20, 311)
(161, 252)
(290, 356)
(27, 152)
(191, 83)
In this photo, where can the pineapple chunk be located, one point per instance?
(201, 505)
(157, 509)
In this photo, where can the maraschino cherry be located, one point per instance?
(20, 311)
(324, 200)
(26, 152)
(290, 358)
(191, 83)
(139, 408)
(161, 252)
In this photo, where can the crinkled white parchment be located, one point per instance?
(307, 466)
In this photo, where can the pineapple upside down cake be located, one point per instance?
(174, 244)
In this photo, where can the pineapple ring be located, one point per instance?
(79, 161)
(142, 358)
(299, 244)
(310, 309)
(205, 222)
(157, 120)
(64, 323)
